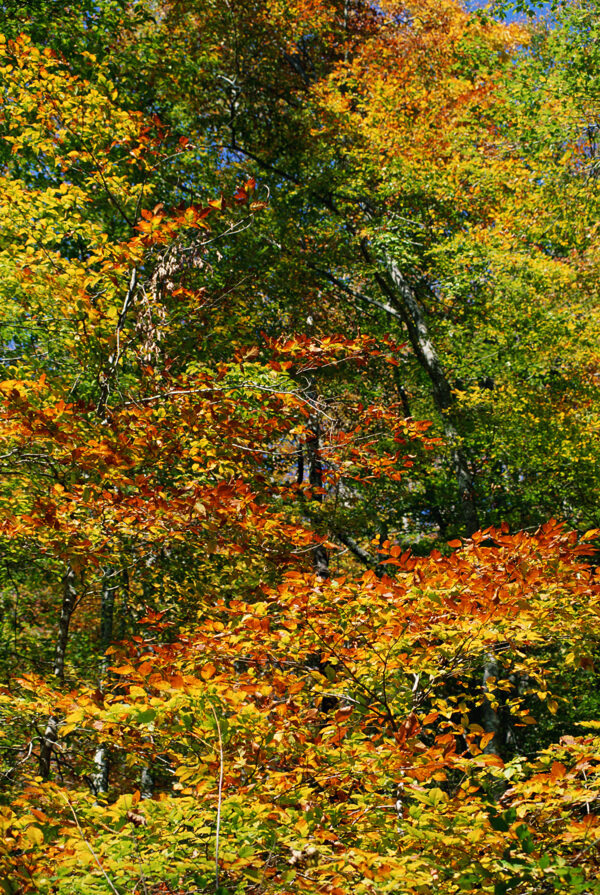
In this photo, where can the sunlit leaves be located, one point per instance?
(181, 356)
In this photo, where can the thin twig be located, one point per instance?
(89, 847)
(221, 770)
(142, 878)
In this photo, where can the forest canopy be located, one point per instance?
(299, 447)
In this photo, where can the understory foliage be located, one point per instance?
(299, 448)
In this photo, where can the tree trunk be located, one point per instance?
(491, 718)
(403, 296)
(146, 784)
(315, 476)
(68, 605)
(107, 608)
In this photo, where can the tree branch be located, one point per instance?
(354, 548)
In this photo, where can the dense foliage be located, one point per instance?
(299, 447)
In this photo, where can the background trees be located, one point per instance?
(287, 289)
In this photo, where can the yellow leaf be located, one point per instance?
(34, 835)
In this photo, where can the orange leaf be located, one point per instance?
(208, 671)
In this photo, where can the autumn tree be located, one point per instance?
(286, 288)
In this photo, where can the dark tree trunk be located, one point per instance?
(69, 601)
(315, 476)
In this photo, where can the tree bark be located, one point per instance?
(363, 555)
(146, 783)
(491, 718)
(403, 296)
(69, 601)
(403, 304)
(107, 607)
(315, 475)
